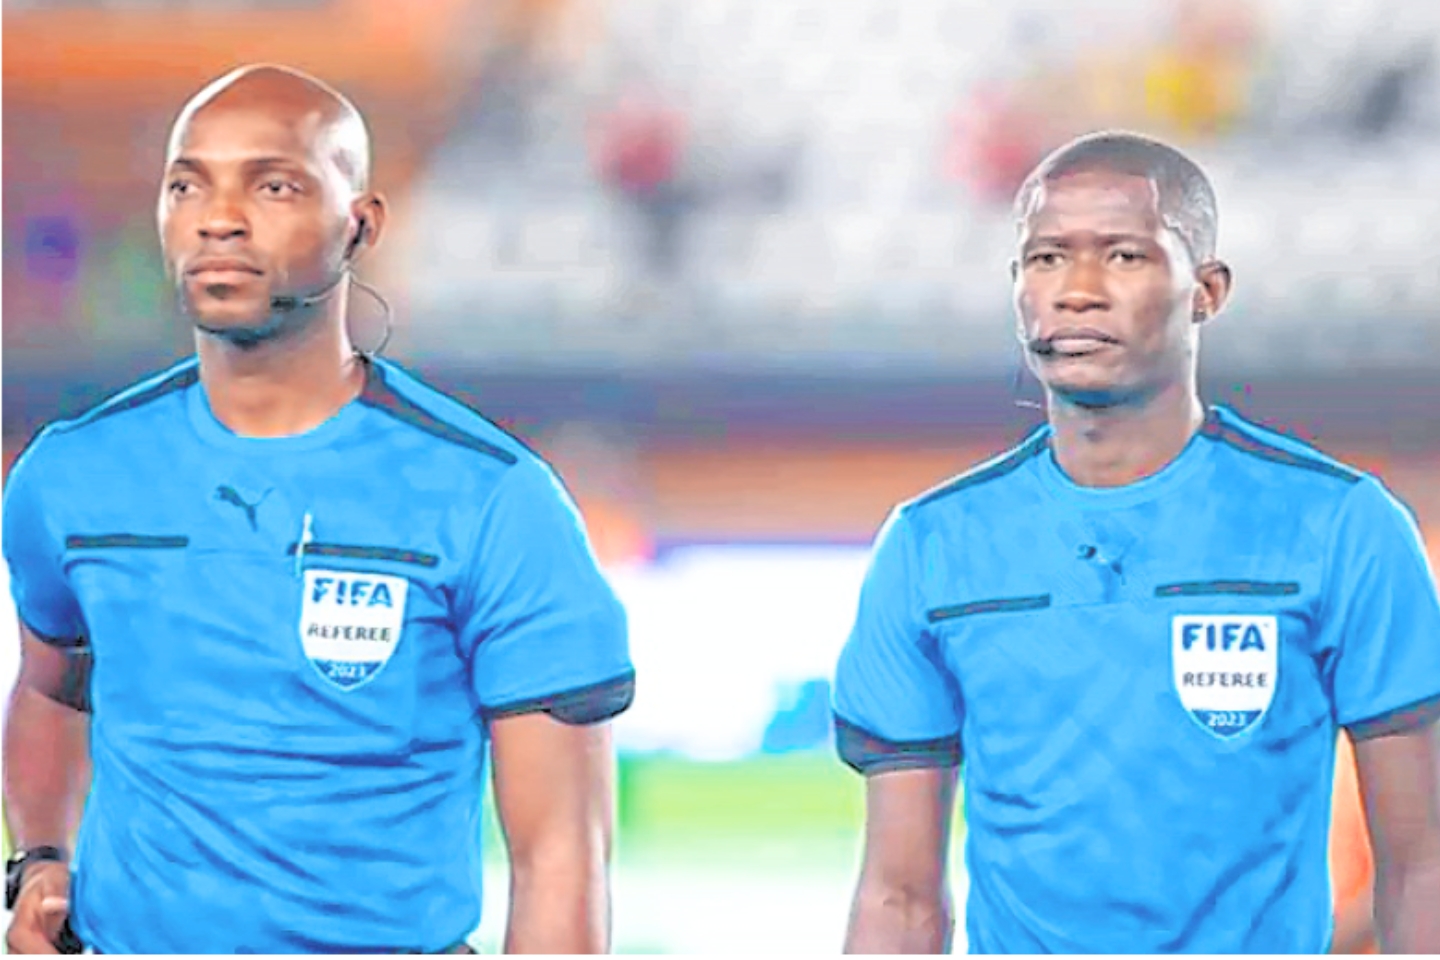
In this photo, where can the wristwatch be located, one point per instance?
(15, 869)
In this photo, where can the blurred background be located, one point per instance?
(739, 269)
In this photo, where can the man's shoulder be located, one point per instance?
(442, 418)
(78, 436)
(1273, 456)
(984, 480)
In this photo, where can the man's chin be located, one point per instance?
(246, 331)
(1089, 392)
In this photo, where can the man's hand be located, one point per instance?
(41, 909)
(46, 778)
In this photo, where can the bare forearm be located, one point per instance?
(1355, 924)
(554, 792)
(560, 907)
(897, 921)
(1406, 917)
(47, 769)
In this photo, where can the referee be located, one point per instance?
(279, 600)
(1141, 631)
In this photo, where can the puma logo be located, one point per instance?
(227, 494)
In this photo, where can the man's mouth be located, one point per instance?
(1073, 343)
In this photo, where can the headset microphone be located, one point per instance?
(1018, 383)
(287, 304)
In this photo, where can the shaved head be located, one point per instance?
(266, 203)
(1186, 200)
(311, 103)
(1116, 270)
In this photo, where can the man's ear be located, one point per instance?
(1214, 281)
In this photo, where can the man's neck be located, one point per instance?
(281, 387)
(1115, 446)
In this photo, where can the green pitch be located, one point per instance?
(755, 855)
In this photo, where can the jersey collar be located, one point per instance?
(1174, 475)
(214, 433)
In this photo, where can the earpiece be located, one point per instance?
(295, 302)
(360, 236)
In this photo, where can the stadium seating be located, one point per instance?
(871, 233)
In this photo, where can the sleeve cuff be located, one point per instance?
(1413, 716)
(579, 706)
(51, 639)
(868, 754)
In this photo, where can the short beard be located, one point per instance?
(246, 338)
(276, 326)
(1100, 399)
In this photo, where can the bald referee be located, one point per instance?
(1138, 633)
(278, 600)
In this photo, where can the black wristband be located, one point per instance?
(15, 869)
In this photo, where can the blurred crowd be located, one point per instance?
(1188, 77)
(669, 143)
(833, 176)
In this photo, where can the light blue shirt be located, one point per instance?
(1145, 684)
(288, 749)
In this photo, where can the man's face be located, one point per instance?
(1103, 290)
(252, 207)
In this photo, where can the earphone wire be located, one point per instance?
(1017, 384)
(389, 315)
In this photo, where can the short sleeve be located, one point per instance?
(34, 552)
(542, 627)
(896, 705)
(1382, 619)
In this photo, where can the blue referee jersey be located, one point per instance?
(298, 643)
(1145, 684)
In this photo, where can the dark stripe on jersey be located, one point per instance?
(187, 376)
(382, 396)
(62, 643)
(392, 554)
(1217, 429)
(993, 471)
(1415, 716)
(1210, 588)
(1000, 605)
(74, 689)
(866, 753)
(583, 705)
(115, 541)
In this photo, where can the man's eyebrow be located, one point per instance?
(254, 163)
(1047, 240)
(1125, 236)
(1065, 241)
(275, 162)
